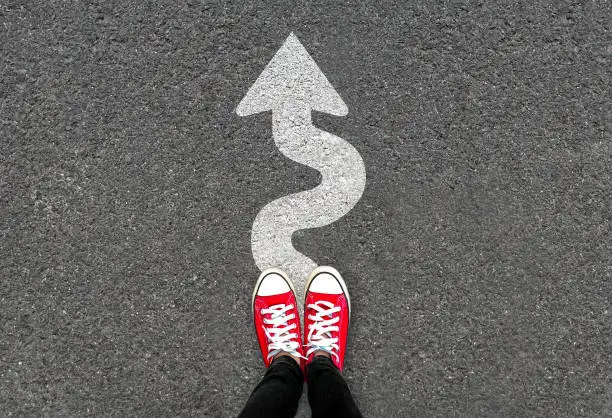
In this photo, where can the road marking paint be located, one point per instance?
(292, 85)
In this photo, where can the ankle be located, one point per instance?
(321, 353)
(286, 354)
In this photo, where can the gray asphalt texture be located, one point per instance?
(479, 258)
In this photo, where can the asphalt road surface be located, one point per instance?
(479, 258)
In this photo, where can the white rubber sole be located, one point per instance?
(337, 275)
(260, 279)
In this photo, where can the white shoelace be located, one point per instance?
(319, 335)
(279, 336)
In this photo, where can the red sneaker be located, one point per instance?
(327, 311)
(276, 316)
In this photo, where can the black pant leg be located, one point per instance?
(278, 393)
(328, 393)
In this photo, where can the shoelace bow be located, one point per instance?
(280, 337)
(320, 334)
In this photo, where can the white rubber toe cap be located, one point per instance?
(273, 284)
(325, 283)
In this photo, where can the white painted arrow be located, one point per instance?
(292, 85)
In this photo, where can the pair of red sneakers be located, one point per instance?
(326, 316)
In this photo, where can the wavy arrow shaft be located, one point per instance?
(344, 178)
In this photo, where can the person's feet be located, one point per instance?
(276, 316)
(326, 315)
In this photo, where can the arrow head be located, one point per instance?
(292, 77)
